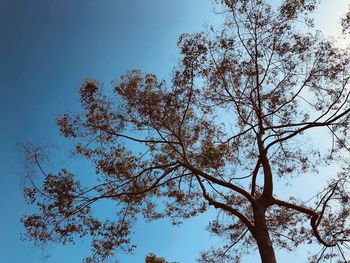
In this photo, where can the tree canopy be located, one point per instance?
(151, 258)
(236, 116)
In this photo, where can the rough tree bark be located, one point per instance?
(262, 237)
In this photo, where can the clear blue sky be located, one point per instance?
(47, 47)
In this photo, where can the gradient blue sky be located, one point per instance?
(47, 47)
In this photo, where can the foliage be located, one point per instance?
(242, 104)
(151, 258)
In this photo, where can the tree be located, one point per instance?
(235, 118)
(151, 258)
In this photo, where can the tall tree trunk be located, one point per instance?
(262, 237)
